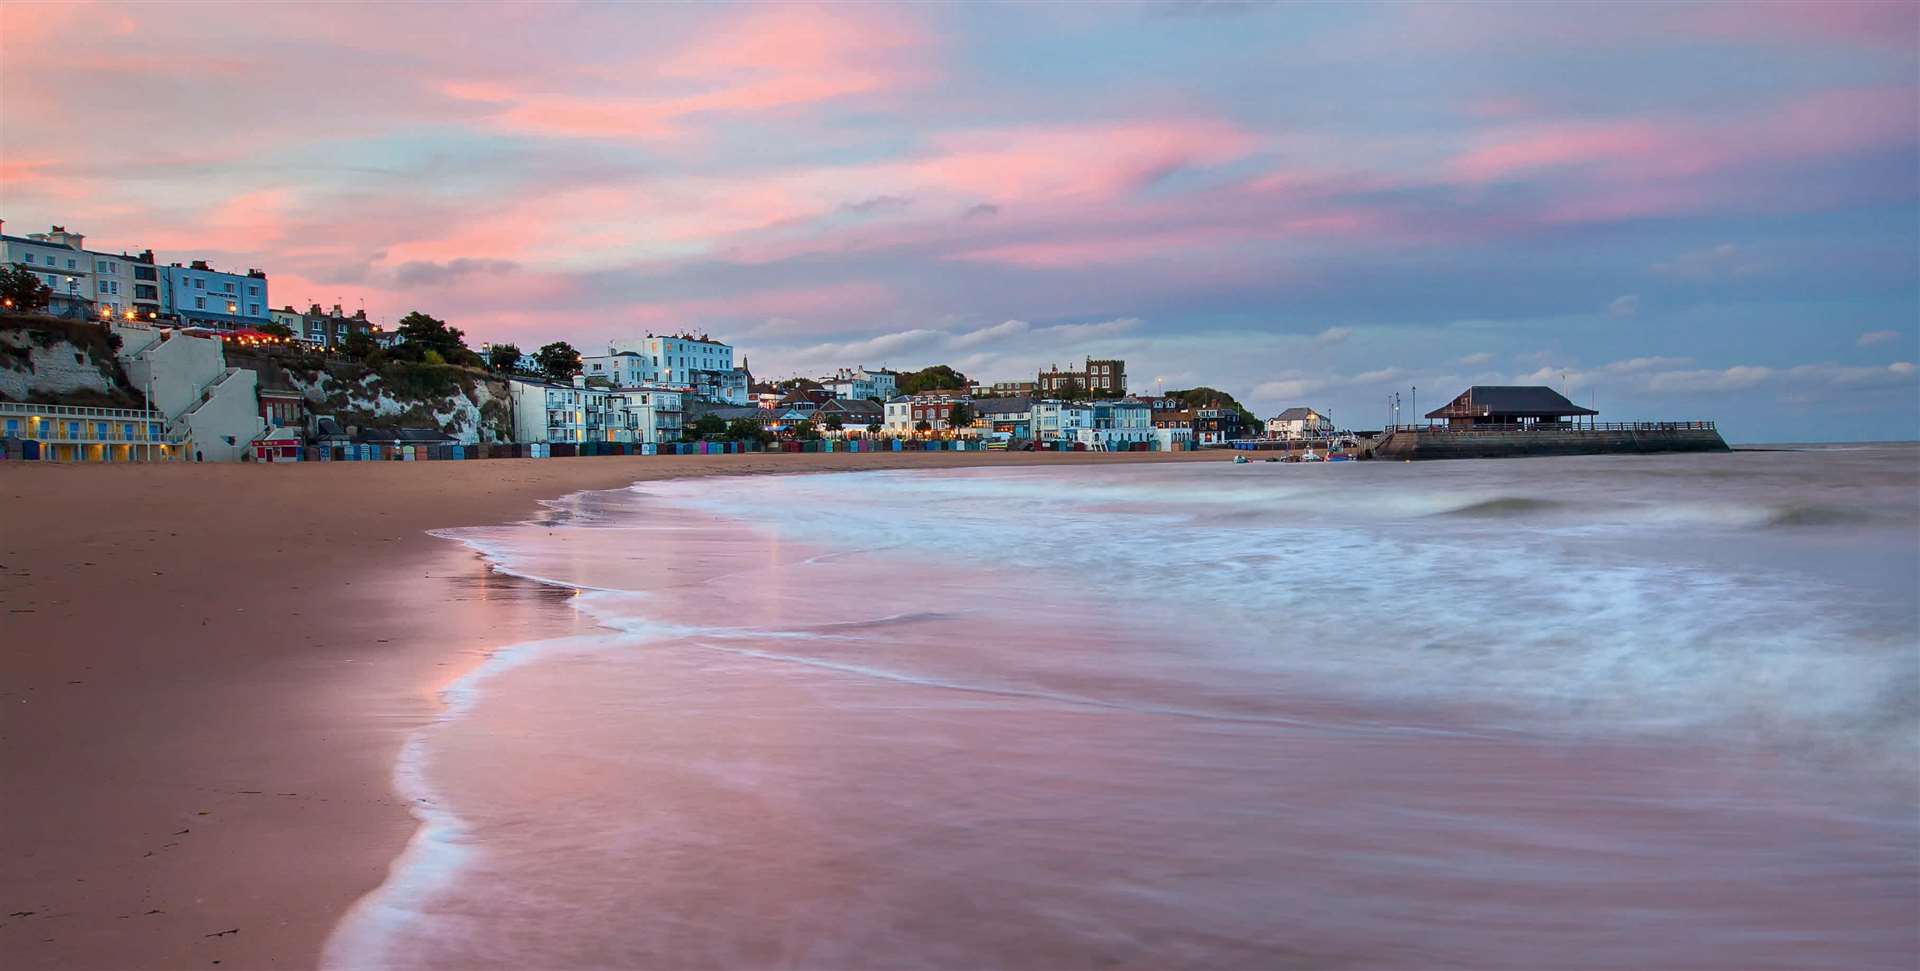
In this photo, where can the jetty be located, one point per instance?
(1514, 421)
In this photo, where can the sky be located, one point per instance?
(1666, 210)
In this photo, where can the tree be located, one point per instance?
(1205, 397)
(432, 334)
(835, 423)
(873, 428)
(804, 431)
(797, 384)
(559, 361)
(359, 344)
(706, 426)
(746, 430)
(939, 377)
(281, 331)
(21, 290)
(503, 357)
(923, 426)
(1070, 390)
(960, 415)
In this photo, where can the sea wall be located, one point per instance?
(1520, 444)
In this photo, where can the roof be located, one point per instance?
(1488, 400)
(1003, 406)
(1297, 414)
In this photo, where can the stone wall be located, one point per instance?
(1512, 444)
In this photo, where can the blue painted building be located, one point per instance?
(201, 296)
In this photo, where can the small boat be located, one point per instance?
(1239, 460)
(1309, 456)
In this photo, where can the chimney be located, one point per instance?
(201, 265)
(336, 311)
(146, 256)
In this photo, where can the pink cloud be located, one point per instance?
(771, 58)
(1560, 144)
(1100, 161)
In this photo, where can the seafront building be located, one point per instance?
(323, 329)
(1299, 424)
(700, 363)
(200, 296)
(1105, 378)
(551, 413)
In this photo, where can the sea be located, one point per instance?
(1563, 713)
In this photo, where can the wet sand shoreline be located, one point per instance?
(209, 670)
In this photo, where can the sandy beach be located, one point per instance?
(209, 670)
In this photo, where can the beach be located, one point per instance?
(210, 669)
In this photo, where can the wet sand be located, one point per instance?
(208, 671)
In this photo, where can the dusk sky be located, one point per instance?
(1687, 211)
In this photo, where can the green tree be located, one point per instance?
(797, 384)
(746, 430)
(281, 331)
(873, 428)
(706, 426)
(559, 361)
(21, 290)
(359, 344)
(923, 426)
(1071, 390)
(939, 377)
(835, 423)
(503, 358)
(804, 431)
(433, 334)
(960, 415)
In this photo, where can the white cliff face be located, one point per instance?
(474, 413)
(39, 366)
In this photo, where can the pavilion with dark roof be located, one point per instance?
(1509, 404)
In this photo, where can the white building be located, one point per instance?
(59, 260)
(862, 383)
(576, 413)
(651, 415)
(557, 413)
(212, 411)
(624, 369)
(1296, 424)
(700, 363)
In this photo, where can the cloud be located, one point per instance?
(984, 210)
(877, 204)
(1719, 262)
(1625, 306)
(424, 273)
(1727, 379)
(987, 335)
(1470, 360)
(1332, 336)
(1873, 337)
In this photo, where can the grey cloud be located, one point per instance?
(877, 204)
(424, 273)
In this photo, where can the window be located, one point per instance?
(199, 303)
(103, 286)
(229, 287)
(200, 284)
(50, 279)
(70, 264)
(99, 266)
(115, 284)
(252, 290)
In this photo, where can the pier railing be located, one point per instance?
(1598, 426)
